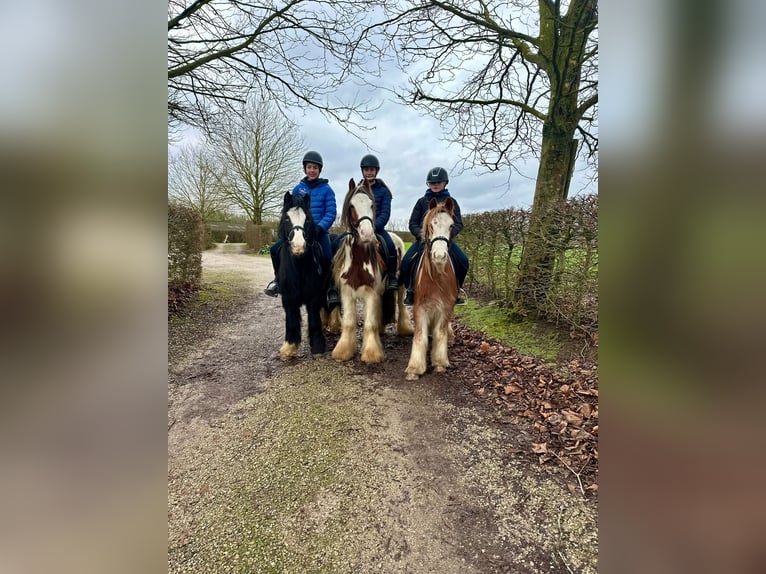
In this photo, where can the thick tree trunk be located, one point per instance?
(543, 238)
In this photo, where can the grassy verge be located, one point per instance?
(527, 337)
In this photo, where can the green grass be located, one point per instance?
(526, 337)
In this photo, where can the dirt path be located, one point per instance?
(316, 466)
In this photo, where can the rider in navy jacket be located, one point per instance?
(437, 180)
(370, 167)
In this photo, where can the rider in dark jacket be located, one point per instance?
(437, 180)
(370, 167)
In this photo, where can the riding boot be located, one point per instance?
(272, 289)
(409, 297)
(461, 295)
(333, 297)
(393, 282)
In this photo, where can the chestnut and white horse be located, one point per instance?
(358, 270)
(435, 292)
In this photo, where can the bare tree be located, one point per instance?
(296, 51)
(258, 152)
(510, 80)
(193, 181)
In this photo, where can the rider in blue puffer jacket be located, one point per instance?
(323, 211)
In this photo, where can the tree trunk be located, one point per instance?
(543, 238)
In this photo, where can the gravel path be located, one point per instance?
(317, 466)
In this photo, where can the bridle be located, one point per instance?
(295, 228)
(355, 224)
(359, 221)
(438, 238)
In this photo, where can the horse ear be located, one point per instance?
(307, 201)
(288, 199)
(432, 203)
(351, 184)
(450, 205)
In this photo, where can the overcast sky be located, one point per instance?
(408, 145)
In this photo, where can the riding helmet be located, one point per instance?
(436, 175)
(312, 157)
(370, 161)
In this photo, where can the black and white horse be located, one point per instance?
(302, 276)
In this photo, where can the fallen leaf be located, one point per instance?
(508, 389)
(578, 434)
(539, 447)
(572, 417)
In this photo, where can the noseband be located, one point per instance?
(358, 221)
(293, 230)
(438, 238)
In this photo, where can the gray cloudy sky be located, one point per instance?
(408, 145)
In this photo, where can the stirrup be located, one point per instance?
(461, 295)
(333, 297)
(393, 284)
(272, 289)
(409, 297)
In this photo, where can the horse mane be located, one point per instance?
(353, 189)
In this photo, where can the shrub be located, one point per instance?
(185, 243)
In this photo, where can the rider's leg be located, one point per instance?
(272, 289)
(391, 261)
(460, 262)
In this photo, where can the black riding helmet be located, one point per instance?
(369, 161)
(436, 175)
(313, 157)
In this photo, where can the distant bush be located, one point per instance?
(185, 242)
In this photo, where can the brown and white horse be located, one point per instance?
(358, 269)
(435, 292)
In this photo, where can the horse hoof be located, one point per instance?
(372, 358)
(288, 351)
(411, 377)
(341, 356)
(440, 369)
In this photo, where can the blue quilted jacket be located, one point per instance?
(323, 208)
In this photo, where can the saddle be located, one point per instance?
(382, 249)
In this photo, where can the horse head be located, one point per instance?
(437, 226)
(296, 225)
(359, 211)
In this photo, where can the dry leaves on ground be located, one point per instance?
(559, 407)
